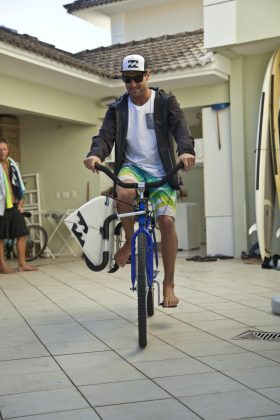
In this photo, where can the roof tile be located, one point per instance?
(85, 4)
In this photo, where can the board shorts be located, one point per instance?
(163, 199)
(12, 224)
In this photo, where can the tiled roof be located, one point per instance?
(35, 46)
(164, 53)
(85, 4)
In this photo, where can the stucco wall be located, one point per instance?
(177, 16)
(55, 149)
(226, 22)
(43, 100)
(264, 20)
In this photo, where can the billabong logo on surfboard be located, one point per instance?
(80, 229)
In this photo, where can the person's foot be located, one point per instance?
(27, 267)
(122, 255)
(170, 300)
(7, 270)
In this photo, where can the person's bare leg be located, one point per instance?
(21, 247)
(126, 197)
(169, 246)
(4, 268)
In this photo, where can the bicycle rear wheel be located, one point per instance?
(141, 290)
(36, 242)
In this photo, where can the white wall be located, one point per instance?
(174, 17)
(55, 149)
(231, 22)
(43, 100)
(219, 23)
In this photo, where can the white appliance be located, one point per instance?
(187, 225)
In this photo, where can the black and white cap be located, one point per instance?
(133, 62)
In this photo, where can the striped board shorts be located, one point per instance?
(163, 199)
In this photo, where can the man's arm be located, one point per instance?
(102, 144)
(20, 205)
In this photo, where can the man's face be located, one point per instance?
(4, 151)
(136, 88)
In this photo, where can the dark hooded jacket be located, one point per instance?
(169, 122)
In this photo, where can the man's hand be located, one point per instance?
(20, 206)
(188, 161)
(91, 161)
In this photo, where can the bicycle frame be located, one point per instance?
(144, 221)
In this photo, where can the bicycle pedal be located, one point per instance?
(133, 289)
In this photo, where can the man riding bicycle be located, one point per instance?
(143, 124)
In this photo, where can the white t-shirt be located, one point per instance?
(141, 146)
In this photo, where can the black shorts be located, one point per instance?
(12, 224)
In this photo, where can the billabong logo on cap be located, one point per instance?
(133, 62)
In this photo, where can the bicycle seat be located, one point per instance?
(27, 214)
(55, 215)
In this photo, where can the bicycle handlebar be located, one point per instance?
(155, 184)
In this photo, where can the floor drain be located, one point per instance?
(258, 335)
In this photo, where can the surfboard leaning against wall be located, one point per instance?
(267, 164)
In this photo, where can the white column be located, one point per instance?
(218, 182)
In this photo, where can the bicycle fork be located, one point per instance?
(150, 272)
(143, 228)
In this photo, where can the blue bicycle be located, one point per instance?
(144, 256)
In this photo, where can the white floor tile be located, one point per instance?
(96, 368)
(203, 383)
(231, 405)
(122, 392)
(161, 409)
(84, 414)
(172, 367)
(30, 403)
(224, 362)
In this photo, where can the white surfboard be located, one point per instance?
(264, 176)
(87, 226)
(274, 119)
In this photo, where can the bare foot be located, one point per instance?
(170, 300)
(27, 267)
(7, 270)
(122, 255)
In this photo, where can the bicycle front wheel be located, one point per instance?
(142, 290)
(36, 242)
(150, 302)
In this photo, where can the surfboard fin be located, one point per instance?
(252, 229)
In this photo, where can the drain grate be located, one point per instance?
(258, 335)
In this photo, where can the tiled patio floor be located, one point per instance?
(68, 345)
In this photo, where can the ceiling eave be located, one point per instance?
(21, 64)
